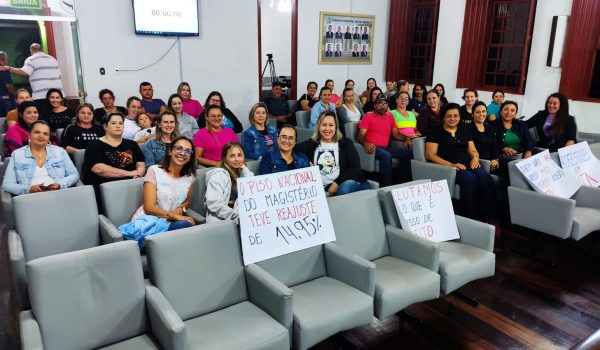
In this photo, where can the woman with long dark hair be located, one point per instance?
(229, 119)
(83, 130)
(555, 127)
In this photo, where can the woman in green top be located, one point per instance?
(406, 121)
(512, 134)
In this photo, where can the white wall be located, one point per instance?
(308, 44)
(276, 32)
(223, 57)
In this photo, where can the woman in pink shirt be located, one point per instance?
(209, 141)
(190, 106)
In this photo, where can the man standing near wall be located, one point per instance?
(7, 89)
(42, 71)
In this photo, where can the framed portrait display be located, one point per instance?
(346, 38)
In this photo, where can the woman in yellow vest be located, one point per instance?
(406, 121)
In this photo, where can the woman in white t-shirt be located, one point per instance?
(336, 157)
(168, 186)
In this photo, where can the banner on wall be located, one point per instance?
(426, 210)
(579, 161)
(282, 213)
(545, 176)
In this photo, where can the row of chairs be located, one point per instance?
(199, 293)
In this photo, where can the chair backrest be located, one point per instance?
(57, 221)
(120, 199)
(516, 177)
(594, 147)
(240, 136)
(418, 148)
(292, 104)
(59, 133)
(199, 191)
(89, 298)
(386, 201)
(79, 159)
(297, 267)
(358, 224)
(253, 166)
(302, 118)
(351, 129)
(198, 269)
(303, 134)
(2, 144)
(3, 126)
(534, 135)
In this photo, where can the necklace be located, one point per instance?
(40, 158)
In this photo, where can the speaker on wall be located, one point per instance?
(557, 41)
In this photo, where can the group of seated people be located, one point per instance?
(177, 136)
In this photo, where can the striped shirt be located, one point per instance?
(43, 72)
(405, 125)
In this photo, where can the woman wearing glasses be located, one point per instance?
(283, 158)
(167, 194)
(209, 141)
(229, 119)
(220, 201)
(166, 131)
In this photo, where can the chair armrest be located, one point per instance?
(486, 164)
(109, 232)
(587, 197)
(435, 172)
(7, 209)
(349, 268)
(166, 324)
(17, 267)
(367, 161)
(406, 246)
(541, 212)
(198, 218)
(475, 233)
(79, 184)
(269, 294)
(31, 336)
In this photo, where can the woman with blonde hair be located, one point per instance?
(260, 137)
(220, 201)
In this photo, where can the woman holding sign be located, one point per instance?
(451, 145)
(220, 201)
(555, 127)
(336, 157)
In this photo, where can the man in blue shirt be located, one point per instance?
(152, 106)
(7, 89)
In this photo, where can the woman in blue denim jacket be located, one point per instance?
(260, 138)
(167, 129)
(284, 158)
(39, 166)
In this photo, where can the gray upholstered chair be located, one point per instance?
(8, 215)
(573, 217)
(50, 223)
(367, 161)
(3, 126)
(302, 119)
(197, 209)
(223, 305)
(96, 298)
(303, 134)
(253, 166)
(462, 260)
(405, 267)
(78, 160)
(333, 291)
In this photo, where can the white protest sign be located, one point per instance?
(426, 210)
(545, 176)
(579, 161)
(282, 213)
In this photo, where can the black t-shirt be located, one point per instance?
(453, 149)
(100, 112)
(59, 120)
(466, 118)
(311, 102)
(485, 141)
(78, 137)
(125, 156)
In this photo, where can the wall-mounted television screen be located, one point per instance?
(160, 17)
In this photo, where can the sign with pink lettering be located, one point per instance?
(545, 176)
(282, 213)
(579, 161)
(426, 210)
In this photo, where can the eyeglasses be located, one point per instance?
(183, 151)
(287, 138)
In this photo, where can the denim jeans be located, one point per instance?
(385, 155)
(477, 194)
(176, 225)
(350, 186)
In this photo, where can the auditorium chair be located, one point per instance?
(50, 223)
(332, 289)
(96, 298)
(3, 126)
(462, 260)
(573, 217)
(78, 160)
(59, 134)
(302, 119)
(405, 266)
(222, 305)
